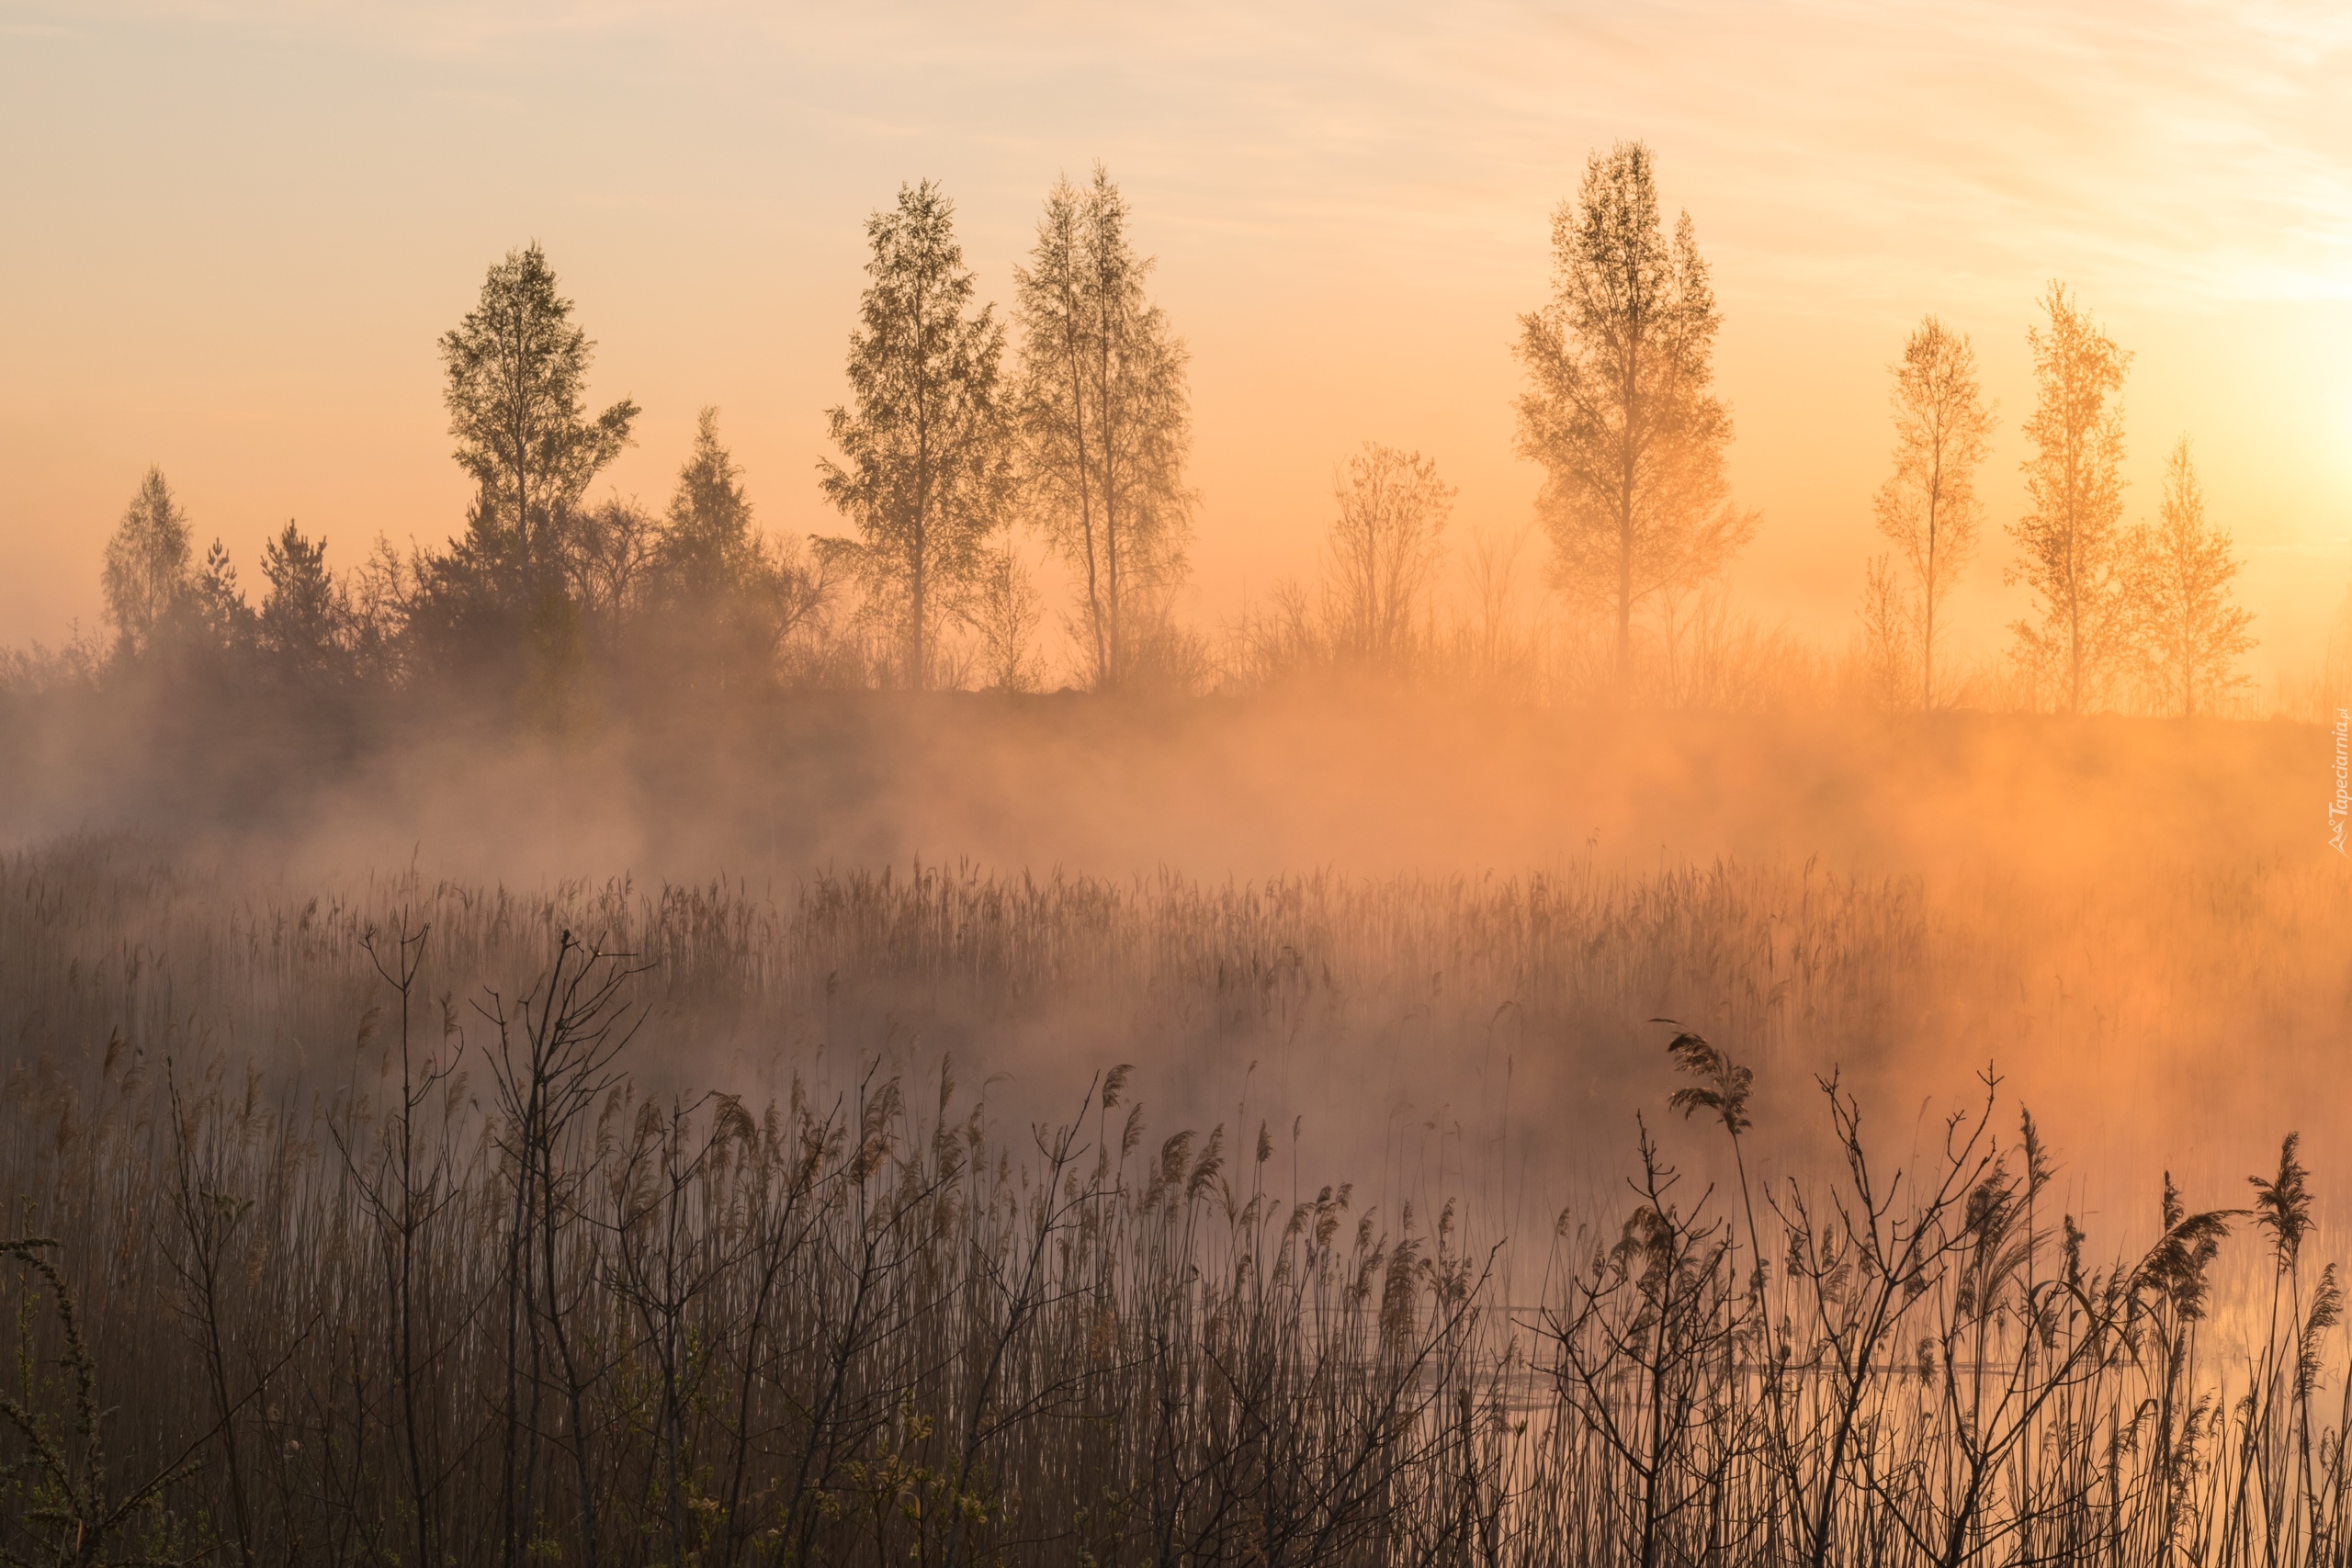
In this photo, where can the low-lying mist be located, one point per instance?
(791, 1129)
(1355, 779)
(1401, 919)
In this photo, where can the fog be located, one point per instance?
(1437, 931)
(1391, 965)
(1483, 785)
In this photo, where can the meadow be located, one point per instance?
(858, 1207)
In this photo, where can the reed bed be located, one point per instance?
(430, 1223)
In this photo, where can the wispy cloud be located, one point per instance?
(2181, 151)
(2172, 149)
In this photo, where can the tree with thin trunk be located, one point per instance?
(1105, 414)
(926, 460)
(2070, 542)
(1928, 505)
(608, 553)
(1386, 546)
(515, 367)
(1001, 612)
(1890, 633)
(2176, 578)
(1621, 408)
(147, 575)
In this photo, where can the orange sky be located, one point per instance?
(232, 229)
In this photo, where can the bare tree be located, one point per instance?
(926, 467)
(1501, 652)
(1890, 633)
(1105, 414)
(405, 1187)
(1621, 409)
(608, 552)
(2176, 577)
(554, 1061)
(2070, 542)
(1003, 610)
(1387, 545)
(1928, 505)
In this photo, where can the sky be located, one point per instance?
(231, 232)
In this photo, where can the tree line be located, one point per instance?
(1067, 421)
(1621, 414)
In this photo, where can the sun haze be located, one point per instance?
(237, 229)
(1470, 786)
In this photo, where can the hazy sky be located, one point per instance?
(230, 233)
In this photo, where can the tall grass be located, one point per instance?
(424, 1225)
(1431, 986)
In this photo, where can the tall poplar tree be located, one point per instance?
(925, 469)
(1928, 505)
(2070, 544)
(1105, 414)
(1621, 407)
(515, 370)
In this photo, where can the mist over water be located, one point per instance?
(1336, 1013)
(1493, 790)
(1403, 919)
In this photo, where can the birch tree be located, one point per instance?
(926, 471)
(2070, 543)
(516, 367)
(1621, 407)
(1928, 505)
(1104, 415)
(2176, 579)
